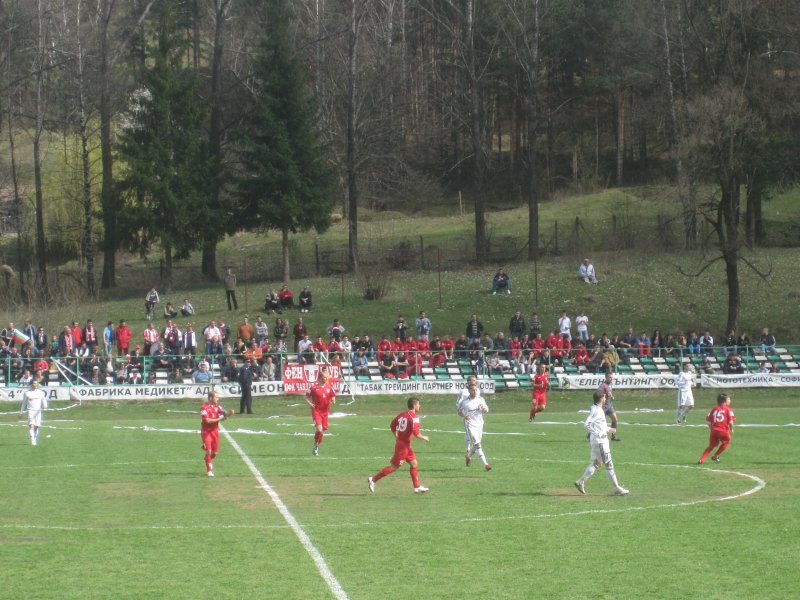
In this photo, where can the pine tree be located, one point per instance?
(285, 182)
(165, 150)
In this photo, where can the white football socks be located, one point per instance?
(588, 472)
(612, 476)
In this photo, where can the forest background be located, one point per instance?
(159, 128)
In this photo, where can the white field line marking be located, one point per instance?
(141, 527)
(703, 425)
(51, 409)
(330, 579)
(760, 484)
(95, 465)
(461, 431)
(197, 431)
(24, 423)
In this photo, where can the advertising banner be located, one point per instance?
(751, 380)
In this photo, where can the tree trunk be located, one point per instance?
(208, 265)
(732, 274)
(727, 227)
(108, 200)
(352, 189)
(22, 261)
(685, 185)
(287, 273)
(620, 112)
(478, 171)
(167, 281)
(88, 241)
(532, 121)
(41, 245)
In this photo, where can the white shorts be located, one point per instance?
(601, 451)
(35, 418)
(685, 398)
(474, 432)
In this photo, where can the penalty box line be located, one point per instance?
(322, 566)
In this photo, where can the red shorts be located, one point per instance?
(718, 437)
(320, 418)
(540, 401)
(210, 440)
(402, 453)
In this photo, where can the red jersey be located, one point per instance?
(721, 418)
(447, 345)
(405, 426)
(540, 383)
(210, 411)
(321, 397)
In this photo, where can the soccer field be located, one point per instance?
(114, 503)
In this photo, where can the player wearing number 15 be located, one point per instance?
(405, 427)
(211, 413)
(720, 421)
(319, 399)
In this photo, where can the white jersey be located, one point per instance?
(34, 401)
(684, 382)
(596, 424)
(474, 408)
(472, 411)
(597, 427)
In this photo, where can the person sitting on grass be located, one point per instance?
(169, 311)
(286, 297)
(305, 300)
(587, 273)
(501, 281)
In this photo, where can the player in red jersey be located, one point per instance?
(541, 381)
(212, 413)
(319, 399)
(720, 421)
(405, 427)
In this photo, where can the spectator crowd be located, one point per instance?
(81, 352)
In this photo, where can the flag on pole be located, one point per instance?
(19, 337)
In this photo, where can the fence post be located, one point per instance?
(316, 258)
(577, 234)
(421, 253)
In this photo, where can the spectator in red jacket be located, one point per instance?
(123, 338)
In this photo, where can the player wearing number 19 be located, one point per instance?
(720, 421)
(405, 427)
(211, 413)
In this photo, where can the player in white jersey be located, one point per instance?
(35, 402)
(598, 430)
(461, 398)
(471, 409)
(684, 381)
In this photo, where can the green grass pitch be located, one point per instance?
(114, 503)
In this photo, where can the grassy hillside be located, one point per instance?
(644, 288)
(645, 291)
